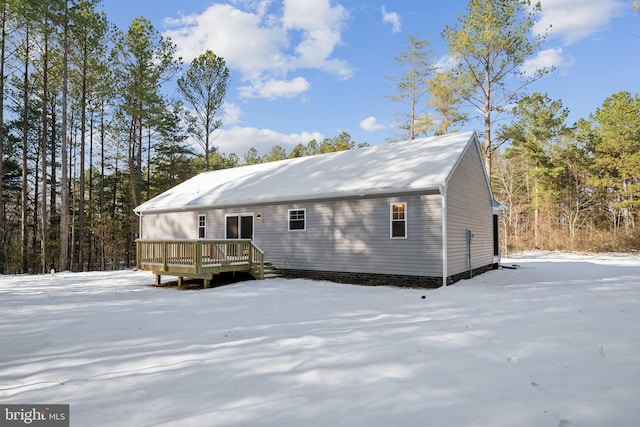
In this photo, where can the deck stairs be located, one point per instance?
(271, 271)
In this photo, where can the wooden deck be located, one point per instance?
(200, 259)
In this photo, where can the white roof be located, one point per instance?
(421, 164)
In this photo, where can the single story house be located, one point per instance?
(414, 213)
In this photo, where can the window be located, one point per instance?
(297, 219)
(239, 226)
(398, 220)
(202, 226)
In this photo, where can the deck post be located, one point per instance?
(138, 254)
(207, 283)
(197, 259)
(180, 281)
(165, 245)
(158, 279)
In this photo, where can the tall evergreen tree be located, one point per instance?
(4, 18)
(25, 91)
(575, 197)
(204, 87)
(616, 148)
(174, 161)
(89, 31)
(143, 61)
(47, 36)
(540, 122)
(63, 262)
(491, 43)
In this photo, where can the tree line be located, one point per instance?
(565, 185)
(571, 186)
(87, 133)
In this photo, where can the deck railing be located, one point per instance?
(199, 258)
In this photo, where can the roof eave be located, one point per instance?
(376, 192)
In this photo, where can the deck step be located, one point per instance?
(271, 271)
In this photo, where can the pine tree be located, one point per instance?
(617, 154)
(491, 42)
(445, 100)
(4, 18)
(539, 123)
(204, 87)
(143, 60)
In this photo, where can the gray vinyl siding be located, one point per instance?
(341, 235)
(469, 207)
(354, 236)
(171, 225)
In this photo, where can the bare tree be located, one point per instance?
(411, 87)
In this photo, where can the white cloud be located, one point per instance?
(273, 88)
(573, 20)
(321, 27)
(548, 58)
(391, 18)
(445, 63)
(241, 38)
(231, 113)
(370, 124)
(239, 139)
(266, 41)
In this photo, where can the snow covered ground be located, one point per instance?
(555, 342)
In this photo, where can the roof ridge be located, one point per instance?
(362, 171)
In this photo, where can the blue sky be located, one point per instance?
(304, 69)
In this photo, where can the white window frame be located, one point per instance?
(202, 226)
(304, 219)
(392, 220)
(240, 215)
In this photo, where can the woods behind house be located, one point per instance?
(90, 129)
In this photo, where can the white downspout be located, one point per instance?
(443, 192)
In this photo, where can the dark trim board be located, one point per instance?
(474, 273)
(370, 279)
(374, 279)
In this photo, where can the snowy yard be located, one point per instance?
(555, 342)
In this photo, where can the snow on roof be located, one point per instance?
(421, 164)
